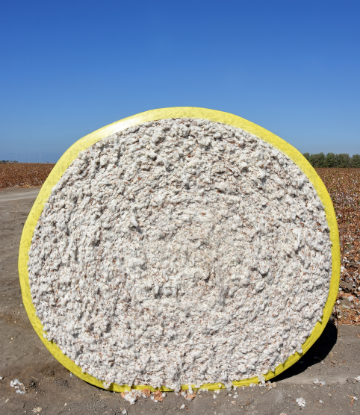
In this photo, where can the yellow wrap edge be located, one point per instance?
(176, 112)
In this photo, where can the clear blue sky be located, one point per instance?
(70, 67)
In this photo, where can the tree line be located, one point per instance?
(333, 160)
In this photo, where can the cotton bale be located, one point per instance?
(177, 247)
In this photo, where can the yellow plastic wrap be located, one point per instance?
(164, 113)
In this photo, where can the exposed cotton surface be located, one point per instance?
(180, 252)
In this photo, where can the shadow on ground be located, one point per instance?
(318, 352)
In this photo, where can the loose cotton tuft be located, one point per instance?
(180, 251)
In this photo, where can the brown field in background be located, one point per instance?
(343, 185)
(23, 174)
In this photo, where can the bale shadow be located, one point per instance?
(318, 352)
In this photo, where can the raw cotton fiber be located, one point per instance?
(180, 251)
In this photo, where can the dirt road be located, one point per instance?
(50, 389)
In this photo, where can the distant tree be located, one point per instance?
(322, 160)
(355, 160)
(330, 160)
(314, 159)
(318, 160)
(333, 160)
(344, 160)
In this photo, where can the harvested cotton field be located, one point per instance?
(23, 174)
(180, 252)
(344, 188)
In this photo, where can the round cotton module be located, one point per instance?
(177, 247)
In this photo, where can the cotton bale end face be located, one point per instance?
(180, 229)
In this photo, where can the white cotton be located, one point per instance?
(132, 396)
(180, 235)
(15, 382)
(301, 402)
(133, 221)
(19, 387)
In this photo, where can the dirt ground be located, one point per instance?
(51, 389)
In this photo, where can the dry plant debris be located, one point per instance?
(134, 394)
(189, 395)
(353, 398)
(23, 174)
(158, 396)
(344, 188)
